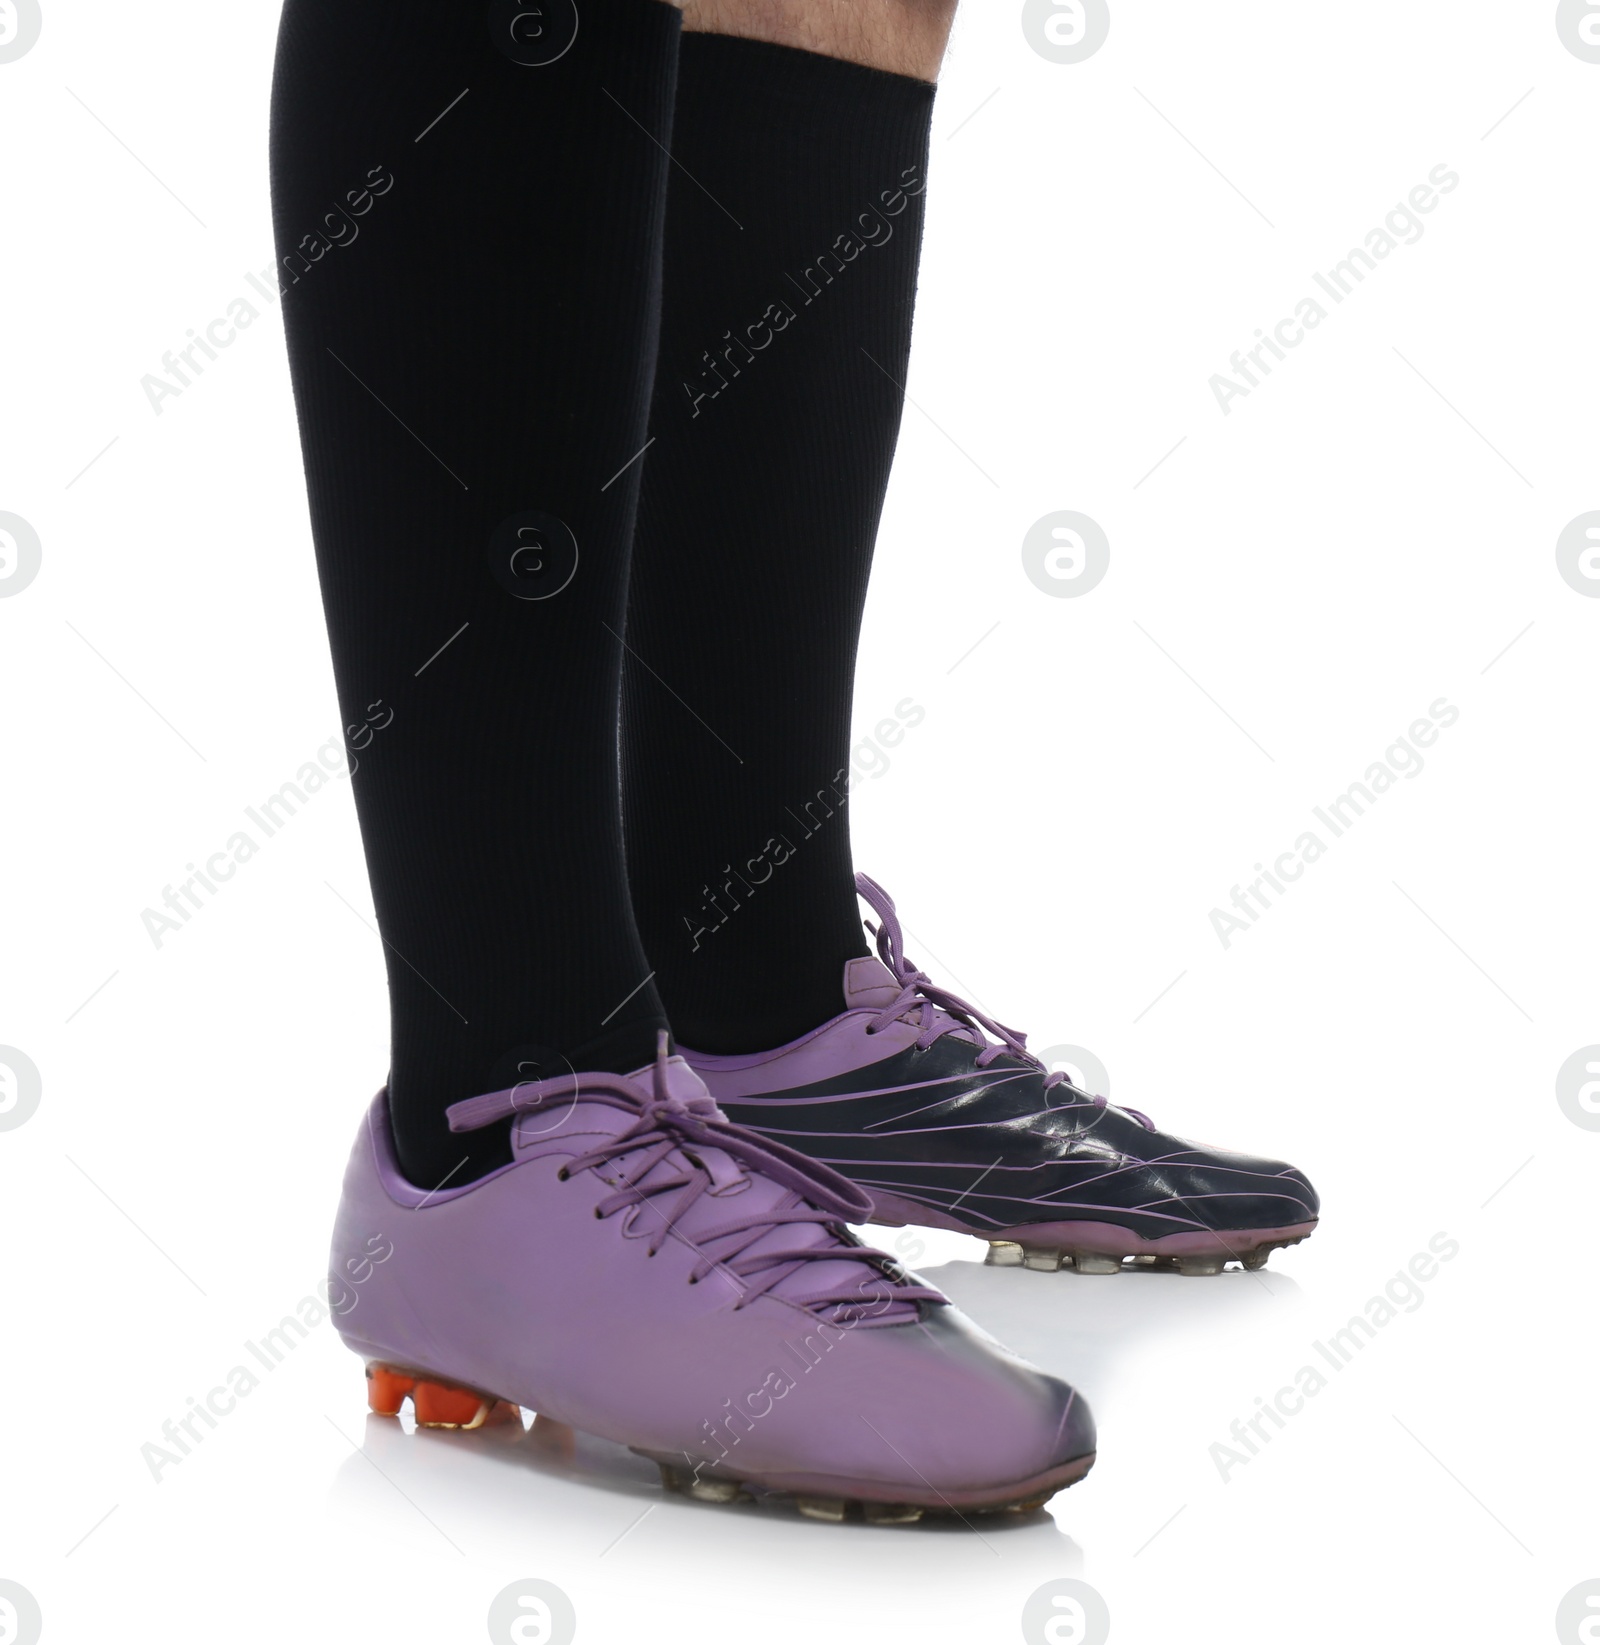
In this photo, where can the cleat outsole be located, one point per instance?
(439, 1403)
(1247, 1248)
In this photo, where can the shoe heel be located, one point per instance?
(434, 1404)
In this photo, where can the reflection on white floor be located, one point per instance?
(1102, 1331)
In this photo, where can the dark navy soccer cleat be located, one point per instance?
(946, 1119)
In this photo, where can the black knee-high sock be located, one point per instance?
(469, 228)
(793, 230)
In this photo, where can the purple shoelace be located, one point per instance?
(939, 1012)
(666, 1131)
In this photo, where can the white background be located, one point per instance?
(1294, 584)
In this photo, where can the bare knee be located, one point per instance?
(900, 36)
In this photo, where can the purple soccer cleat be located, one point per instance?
(646, 1271)
(945, 1119)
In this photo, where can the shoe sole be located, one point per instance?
(1102, 1247)
(439, 1402)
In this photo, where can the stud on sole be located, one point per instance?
(701, 1487)
(1003, 1254)
(1092, 1262)
(1045, 1261)
(434, 1404)
(1258, 1257)
(715, 1490)
(1201, 1265)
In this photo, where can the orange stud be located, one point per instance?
(435, 1404)
(439, 1405)
(387, 1389)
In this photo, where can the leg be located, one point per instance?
(775, 418)
(472, 340)
(792, 239)
(638, 1262)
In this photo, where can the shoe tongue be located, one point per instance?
(869, 982)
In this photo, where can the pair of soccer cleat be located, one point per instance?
(665, 1262)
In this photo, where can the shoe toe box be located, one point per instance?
(1226, 1190)
(962, 1412)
